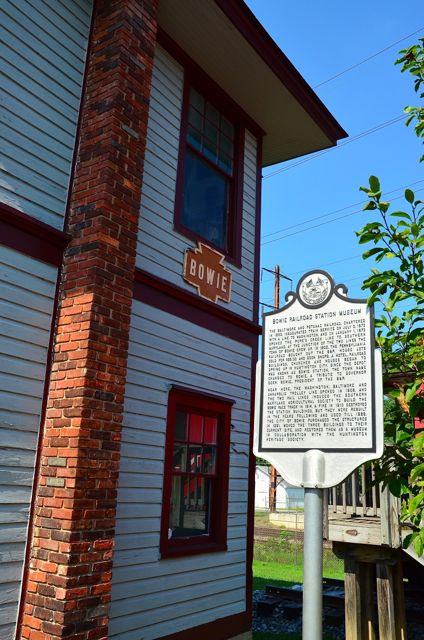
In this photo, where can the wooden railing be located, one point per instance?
(357, 495)
(359, 511)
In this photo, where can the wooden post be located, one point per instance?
(273, 489)
(365, 567)
(369, 618)
(389, 517)
(353, 626)
(399, 598)
(385, 602)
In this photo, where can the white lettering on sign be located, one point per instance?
(204, 268)
(213, 278)
(210, 275)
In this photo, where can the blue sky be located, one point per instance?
(322, 40)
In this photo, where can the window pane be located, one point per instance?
(194, 138)
(211, 135)
(209, 460)
(189, 507)
(195, 119)
(180, 431)
(179, 458)
(227, 128)
(226, 146)
(225, 163)
(212, 114)
(211, 425)
(196, 100)
(196, 428)
(195, 459)
(205, 203)
(210, 151)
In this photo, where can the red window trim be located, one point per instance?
(217, 540)
(234, 222)
(32, 237)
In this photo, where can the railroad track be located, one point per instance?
(414, 597)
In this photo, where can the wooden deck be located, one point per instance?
(355, 529)
(359, 512)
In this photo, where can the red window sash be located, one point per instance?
(234, 219)
(216, 539)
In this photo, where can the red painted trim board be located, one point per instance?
(23, 233)
(174, 300)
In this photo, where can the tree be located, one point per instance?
(412, 60)
(398, 239)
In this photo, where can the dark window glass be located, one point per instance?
(208, 172)
(193, 473)
(189, 506)
(205, 201)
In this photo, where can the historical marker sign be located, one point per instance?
(321, 384)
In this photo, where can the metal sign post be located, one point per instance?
(312, 571)
(319, 405)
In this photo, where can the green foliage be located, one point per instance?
(412, 60)
(397, 242)
(261, 461)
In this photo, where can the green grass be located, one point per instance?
(281, 559)
(273, 572)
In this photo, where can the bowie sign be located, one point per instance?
(319, 408)
(204, 269)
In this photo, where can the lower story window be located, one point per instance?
(195, 496)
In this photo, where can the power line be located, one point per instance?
(325, 215)
(374, 55)
(326, 264)
(363, 134)
(321, 224)
(265, 300)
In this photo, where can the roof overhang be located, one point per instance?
(226, 40)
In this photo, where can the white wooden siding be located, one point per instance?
(42, 54)
(161, 249)
(153, 597)
(26, 300)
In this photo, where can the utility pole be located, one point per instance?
(273, 476)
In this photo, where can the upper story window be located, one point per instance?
(195, 496)
(209, 194)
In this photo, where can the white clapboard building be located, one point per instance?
(133, 134)
(287, 497)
